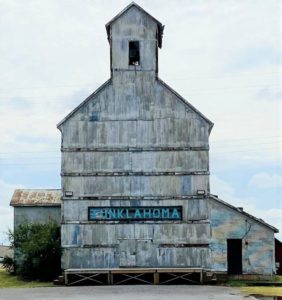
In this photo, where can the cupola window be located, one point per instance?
(134, 53)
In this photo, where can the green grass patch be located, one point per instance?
(237, 283)
(9, 281)
(242, 283)
(262, 290)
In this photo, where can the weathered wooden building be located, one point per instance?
(135, 174)
(137, 145)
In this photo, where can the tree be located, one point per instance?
(37, 250)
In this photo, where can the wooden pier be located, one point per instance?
(153, 276)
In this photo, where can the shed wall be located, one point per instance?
(257, 244)
(33, 214)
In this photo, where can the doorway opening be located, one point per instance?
(234, 256)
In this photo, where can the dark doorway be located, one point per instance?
(234, 256)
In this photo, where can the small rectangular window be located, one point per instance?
(134, 54)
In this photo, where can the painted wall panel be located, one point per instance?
(257, 240)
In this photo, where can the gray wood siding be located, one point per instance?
(150, 161)
(134, 26)
(135, 185)
(105, 257)
(135, 138)
(87, 235)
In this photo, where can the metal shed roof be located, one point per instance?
(241, 211)
(36, 197)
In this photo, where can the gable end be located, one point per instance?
(185, 102)
(90, 97)
(133, 4)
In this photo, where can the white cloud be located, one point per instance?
(227, 193)
(266, 181)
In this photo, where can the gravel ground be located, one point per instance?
(131, 292)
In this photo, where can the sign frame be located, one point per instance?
(129, 210)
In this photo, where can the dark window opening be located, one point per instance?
(134, 54)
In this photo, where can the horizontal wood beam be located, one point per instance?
(90, 174)
(134, 149)
(126, 197)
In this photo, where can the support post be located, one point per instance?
(156, 278)
(66, 278)
(201, 276)
(110, 278)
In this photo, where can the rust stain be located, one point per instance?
(36, 197)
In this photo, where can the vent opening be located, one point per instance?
(134, 53)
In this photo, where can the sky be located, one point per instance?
(224, 57)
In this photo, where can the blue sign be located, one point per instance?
(140, 213)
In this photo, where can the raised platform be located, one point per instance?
(137, 276)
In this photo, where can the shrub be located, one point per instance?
(8, 264)
(37, 250)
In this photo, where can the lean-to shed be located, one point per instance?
(36, 206)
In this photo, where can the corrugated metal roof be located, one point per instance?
(36, 197)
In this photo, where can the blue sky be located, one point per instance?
(219, 55)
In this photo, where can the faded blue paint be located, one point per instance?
(94, 116)
(186, 185)
(75, 235)
(257, 240)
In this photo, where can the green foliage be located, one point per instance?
(37, 250)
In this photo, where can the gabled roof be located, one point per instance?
(103, 86)
(36, 197)
(241, 211)
(186, 103)
(133, 4)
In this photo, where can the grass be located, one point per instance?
(278, 279)
(9, 281)
(241, 282)
(258, 290)
(262, 290)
